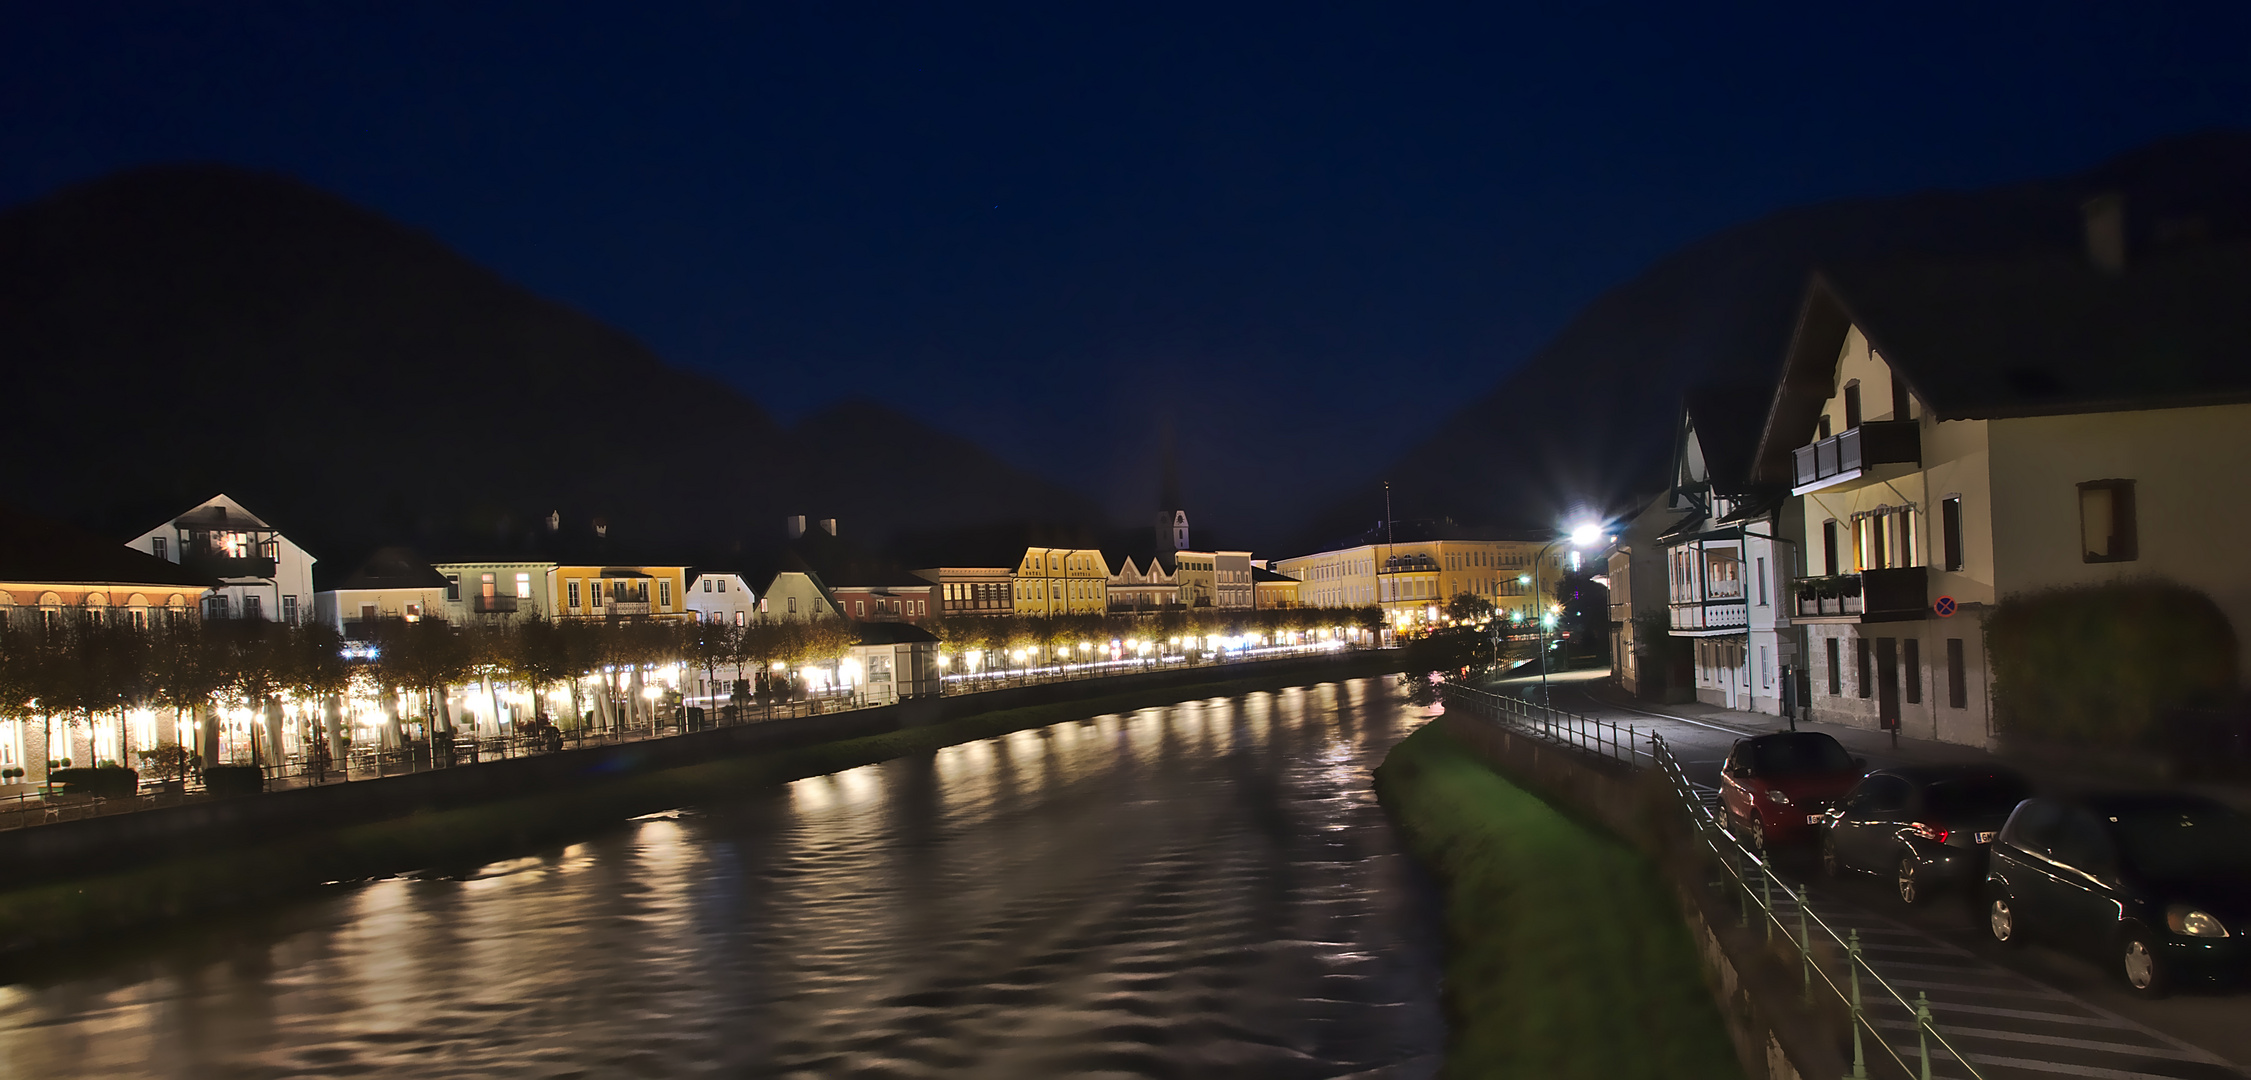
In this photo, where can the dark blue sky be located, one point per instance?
(1298, 234)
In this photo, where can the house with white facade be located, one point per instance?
(721, 596)
(262, 574)
(495, 591)
(1956, 434)
(1730, 554)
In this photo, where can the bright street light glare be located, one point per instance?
(1586, 535)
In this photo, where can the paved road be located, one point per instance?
(2029, 1012)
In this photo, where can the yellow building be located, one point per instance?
(1062, 581)
(602, 591)
(1274, 591)
(1414, 576)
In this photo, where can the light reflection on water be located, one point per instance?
(1198, 890)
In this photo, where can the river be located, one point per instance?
(1203, 889)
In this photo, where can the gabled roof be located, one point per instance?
(2027, 337)
(890, 633)
(1261, 575)
(388, 568)
(215, 513)
(1726, 419)
(35, 550)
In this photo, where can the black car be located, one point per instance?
(2158, 884)
(1926, 826)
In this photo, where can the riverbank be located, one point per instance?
(458, 839)
(1566, 952)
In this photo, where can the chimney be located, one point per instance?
(554, 520)
(601, 528)
(2105, 216)
(828, 525)
(794, 525)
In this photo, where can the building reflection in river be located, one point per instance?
(1203, 889)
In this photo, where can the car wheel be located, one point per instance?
(2137, 961)
(2001, 919)
(1910, 889)
(1758, 836)
(1831, 866)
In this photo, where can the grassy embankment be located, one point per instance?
(61, 912)
(1566, 953)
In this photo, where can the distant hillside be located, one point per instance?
(1594, 410)
(172, 332)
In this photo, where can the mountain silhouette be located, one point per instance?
(1599, 403)
(176, 331)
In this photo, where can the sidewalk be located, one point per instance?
(1880, 748)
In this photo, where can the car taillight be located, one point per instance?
(1932, 833)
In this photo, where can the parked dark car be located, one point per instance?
(1928, 827)
(1775, 788)
(2158, 885)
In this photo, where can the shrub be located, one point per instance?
(234, 779)
(107, 782)
(2101, 664)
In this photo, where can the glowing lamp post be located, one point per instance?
(1584, 534)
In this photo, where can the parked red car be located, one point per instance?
(1776, 788)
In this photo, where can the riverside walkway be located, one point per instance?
(32, 805)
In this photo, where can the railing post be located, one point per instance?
(1923, 1029)
(1766, 887)
(1805, 947)
(1852, 962)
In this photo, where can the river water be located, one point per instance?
(1203, 889)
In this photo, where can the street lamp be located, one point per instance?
(1584, 534)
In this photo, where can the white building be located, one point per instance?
(721, 597)
(1958, 434)
(1726, 564)
(263, 574)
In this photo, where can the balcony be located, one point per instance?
(1694, 619)
(1849, 455)
(493, 605)
(623, 607)
(214, 564)
(1892, 595)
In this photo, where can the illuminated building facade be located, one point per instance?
(1146, 584)
(1957, 434)
(599, 592)
(391, 585)
(972, 591)
(495, 591)
(717, 596)
(1425, 568)
(1062, 581)
(1273, 591)
(55, 578)
(263, 574)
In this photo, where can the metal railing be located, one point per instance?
(1600, 738)
(1750, 882)
(1829, 963)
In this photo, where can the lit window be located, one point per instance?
(523, 586)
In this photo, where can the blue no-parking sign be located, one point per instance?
(1944, 605)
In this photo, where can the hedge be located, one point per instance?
(2103, 664)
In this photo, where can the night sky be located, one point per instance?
(1297, 236)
